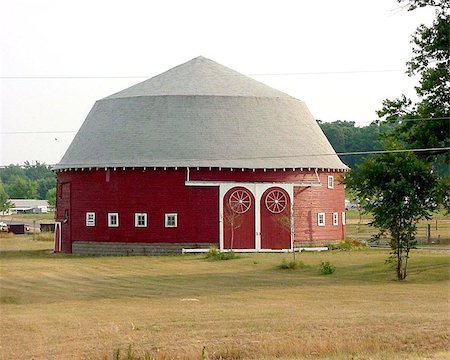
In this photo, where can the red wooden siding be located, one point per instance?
(127, 192)
(309, 201)
(275, 228)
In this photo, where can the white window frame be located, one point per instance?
(137, 218)
(335, 219)
(321, 219)
(110, 218)
(167, 218)
(343, 218)
(90, 218)
(330, 182)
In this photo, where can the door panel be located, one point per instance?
(64, 211)
(275, 219)
(239, 219)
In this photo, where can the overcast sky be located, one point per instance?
(347, 55)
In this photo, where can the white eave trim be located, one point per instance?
(218, 183)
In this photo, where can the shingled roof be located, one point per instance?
(200, 114)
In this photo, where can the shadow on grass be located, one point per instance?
(20, 254)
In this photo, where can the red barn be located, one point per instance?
(195, 157)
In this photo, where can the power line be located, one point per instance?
(281, 157)
(149, 76)
(327, 72)
(391, 151)
(37, 132)
(74, 131)
(393, 120)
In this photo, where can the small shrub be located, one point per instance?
(326, 268)
(346, 245)
(291, 265)
(216, 254)
(213, 253)
(332, 246)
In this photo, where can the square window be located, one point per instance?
(321, 219)
(90, 219)
(113, 220)
(171, 220)
(330, 182)
(343, 218)
(140, 220)
(335, 218)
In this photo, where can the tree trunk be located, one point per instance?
(232, 237)
(399, 264)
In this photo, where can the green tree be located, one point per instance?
(22, 189)
(10, 172)
(51, 197)
(44, 185)
(428, 119)
(399, 189)
(344, 136)
(5, 204)
(37, 171)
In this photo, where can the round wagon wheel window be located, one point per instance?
(276, 201)
(240, 201)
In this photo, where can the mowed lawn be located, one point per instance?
(69, 307)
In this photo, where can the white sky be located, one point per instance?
(107, 38)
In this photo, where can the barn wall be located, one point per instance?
(157, 192)
(308, 202)
(129, 191)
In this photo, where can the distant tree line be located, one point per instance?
(28, 181)
(345, 137)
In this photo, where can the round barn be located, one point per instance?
(196, 157)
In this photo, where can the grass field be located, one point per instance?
(63, 307)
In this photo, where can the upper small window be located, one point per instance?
(330, 182)
(90, 219)
(113, 219)
(321, 219)
(171, 220)
(335, 218)
(140, 220)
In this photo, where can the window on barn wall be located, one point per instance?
(171, 220)
(343, 218)
(113, 220)
(140, 220)
(321, 219)
(330, 182)
(335, 218)
(90, 219)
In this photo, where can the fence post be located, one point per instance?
(428, 232)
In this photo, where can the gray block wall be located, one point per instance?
(130, 249)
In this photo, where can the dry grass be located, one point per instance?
(439, 228)
(64, 307)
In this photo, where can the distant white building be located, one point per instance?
(20, 206)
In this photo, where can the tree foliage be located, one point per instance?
(428, 119)
(344, 136)
(51, 197)
(22, 188)
(35, 180)
(5, 204)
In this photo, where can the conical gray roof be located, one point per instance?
(200, 114)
